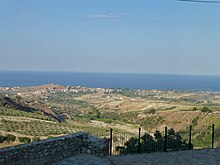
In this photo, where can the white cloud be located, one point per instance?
(102, 16)
(27, 13)
(157, 18)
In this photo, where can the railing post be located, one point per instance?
(213, 135)
(165, 140)
(110, 142)
(190, 137)
(139, 140)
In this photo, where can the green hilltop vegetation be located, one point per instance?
(34, 113)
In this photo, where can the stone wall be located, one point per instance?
(53, 150)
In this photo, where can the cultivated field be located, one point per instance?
(51, 110)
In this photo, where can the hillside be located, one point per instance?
(53, 110)
(10, 103)
(18, 104)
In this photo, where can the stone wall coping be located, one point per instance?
(49, 151)
(55, 139)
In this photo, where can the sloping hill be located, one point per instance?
(7, 102)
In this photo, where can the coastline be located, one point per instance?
(111, 80)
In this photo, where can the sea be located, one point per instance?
(111, 80)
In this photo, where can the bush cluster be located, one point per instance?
(9, 138)
(149, 143)
(206, 110)
(24, 139)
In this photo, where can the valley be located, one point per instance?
(50, 110)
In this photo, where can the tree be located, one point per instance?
(10, 138)
(195, 108)
(2, 138)
(130, 146)
(149, 143)
(152, 111)
(206, 109)
(24, 139)
(159, 140)
(18, 97)
(35, 139)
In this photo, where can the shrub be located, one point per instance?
(152, 111)
(149, 143)
(217, 133)
(10, 138)
(206, 109)
(195, 120)
(35, 139)
(24, 139)
(18, 97)
(49, 137)
(195, 108)
(2, 138)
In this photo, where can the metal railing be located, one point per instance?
(143, 142)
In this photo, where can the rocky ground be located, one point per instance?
(200, 157)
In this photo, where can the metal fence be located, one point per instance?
(144, 142)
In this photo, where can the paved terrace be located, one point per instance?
(200, 157)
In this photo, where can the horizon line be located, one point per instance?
(96, 72)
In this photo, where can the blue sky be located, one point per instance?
(126, 36)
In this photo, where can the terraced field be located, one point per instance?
(50, 110)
